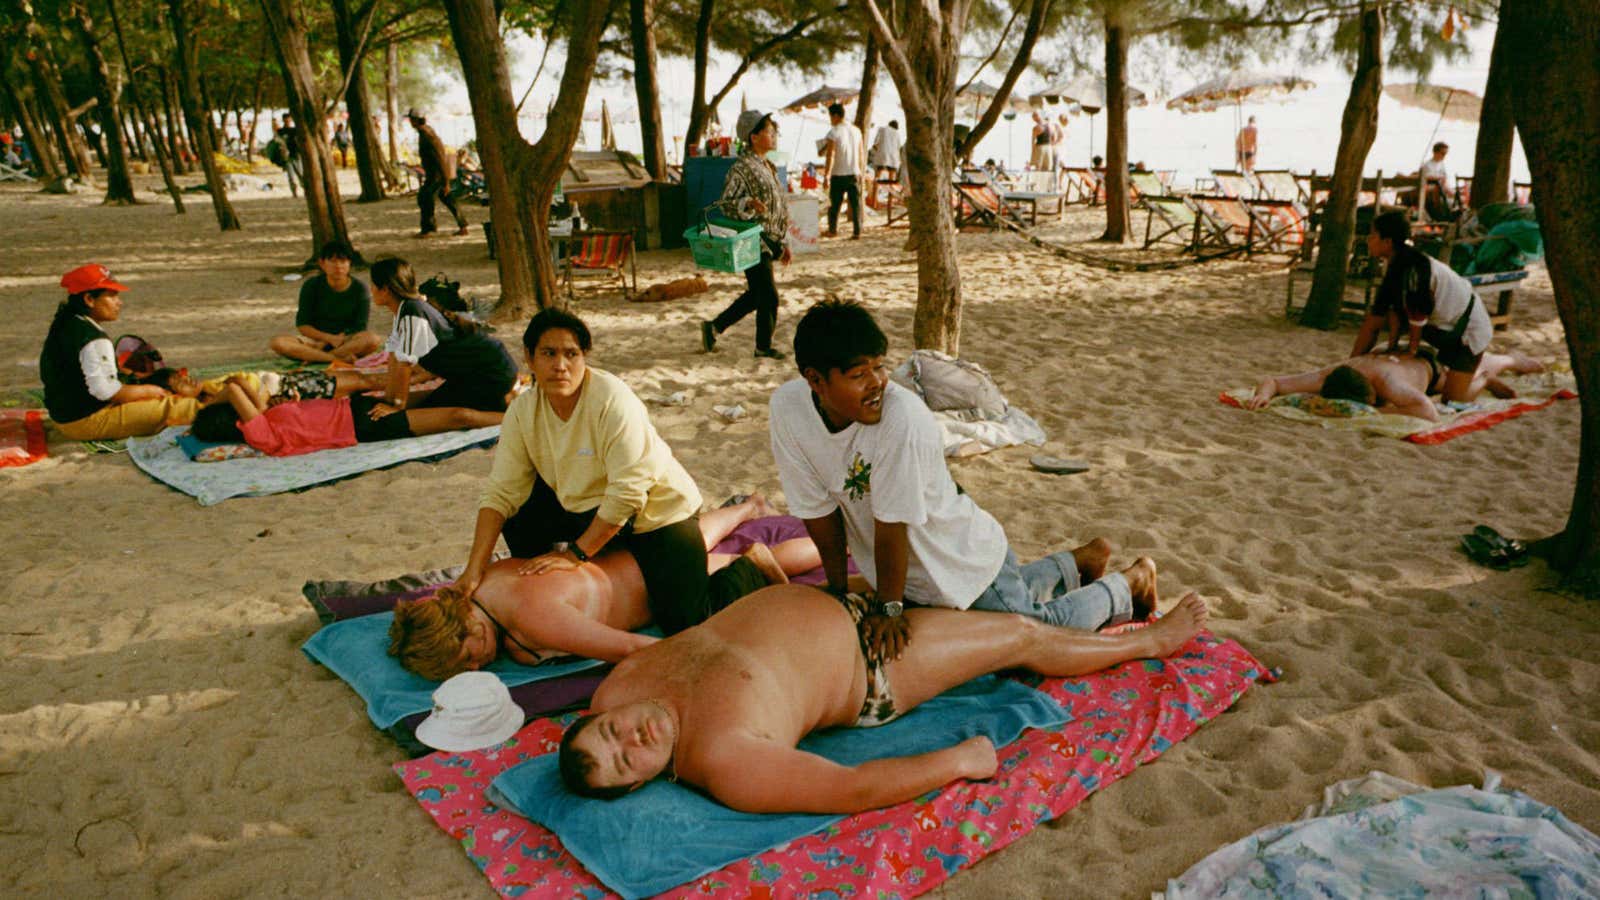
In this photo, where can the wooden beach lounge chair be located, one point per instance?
(601, 255)
(1235, 184)
(892, 201)
(1083, 185)
(1282, 184)
(1172, 218)
(980, 204)
(12, 173)
(1142, 185)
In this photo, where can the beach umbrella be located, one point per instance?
(980, 95)
(1088, 94)
(1238, 88)
(821, 97)
(1450, 103)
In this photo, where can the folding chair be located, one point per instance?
(1193, 229)
(1142, 185)
(980, 204)
(894, 196)
(1235, 184)
(12, 173)
(601, 254)
(1281, 184)
(1083, 186)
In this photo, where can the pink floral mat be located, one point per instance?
(1120, 718)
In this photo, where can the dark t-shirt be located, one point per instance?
(336, 312)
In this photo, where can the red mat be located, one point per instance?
(21, 437)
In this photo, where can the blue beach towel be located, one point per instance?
(357, 650)
(664, 834)
(161, 457)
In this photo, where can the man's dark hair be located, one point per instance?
(895, 124)
(836, 109)
(550, 317)
(836, 334)
(1393, 226)
(1440, 146)
(336, 249)
(1345, 383)
(576, 765)
(217, 423)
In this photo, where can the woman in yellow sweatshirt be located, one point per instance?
(580, 468)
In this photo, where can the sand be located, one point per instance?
(161, 733)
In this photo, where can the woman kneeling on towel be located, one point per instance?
(79, 368)
(478, 373)
(589, 610)
(579, 466)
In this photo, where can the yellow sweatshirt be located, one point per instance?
(607, 455)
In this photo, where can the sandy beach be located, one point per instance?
(162, 735)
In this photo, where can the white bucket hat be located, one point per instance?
(471, 711)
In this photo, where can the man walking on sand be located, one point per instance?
(862, 461)
(436, 165)
(845, 162)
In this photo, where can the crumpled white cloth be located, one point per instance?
(1382, 836)
(968, 432)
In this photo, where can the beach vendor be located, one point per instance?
(246, 415)
(590, 611)
(1395, 384)
(862, 462)
(331, 319)
(1437, 304)
(752, 193)
(580, 466)
(478, 373)
(79, 368)
(723, 705)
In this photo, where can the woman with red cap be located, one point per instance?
(79, 368)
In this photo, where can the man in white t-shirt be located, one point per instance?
(844, 158)
(1437, 192)
(885, 155)
(862, 462)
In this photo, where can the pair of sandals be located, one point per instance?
(1488, 547)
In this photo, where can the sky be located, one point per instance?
(1299, 132)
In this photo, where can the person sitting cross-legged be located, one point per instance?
(722, 706)
(331, 321)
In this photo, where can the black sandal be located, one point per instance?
(1484, 553)
(1516, 553)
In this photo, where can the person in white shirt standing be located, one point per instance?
(861, 460)
(842, 174)
(885, 155)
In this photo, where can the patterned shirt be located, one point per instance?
(754, 178)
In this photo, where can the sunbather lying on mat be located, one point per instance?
(1394, 383)
(305, 426)
(721, 706)
(589, 610)
(281, 387)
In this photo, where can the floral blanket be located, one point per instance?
(1380, 836)
(213, 482)
(1120, 718)
(1455, 419)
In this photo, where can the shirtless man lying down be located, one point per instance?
(1394, 382)
(722, 706)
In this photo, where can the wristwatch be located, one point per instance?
(578, 552)
(892, 609)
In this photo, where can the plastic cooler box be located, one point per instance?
(725, 254)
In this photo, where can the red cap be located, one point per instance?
(92, 277)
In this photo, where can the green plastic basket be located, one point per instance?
(725, 254)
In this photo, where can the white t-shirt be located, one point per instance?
(886, 148)
(1434, 170)
(1451, 294)
(893, 471)
(846, 149)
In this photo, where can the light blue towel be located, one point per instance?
(163, 459)
(664, 834)
(357, 650)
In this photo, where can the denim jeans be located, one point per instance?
(1048, 589)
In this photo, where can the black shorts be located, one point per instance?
(482, 395)
(1452, 352)
(389, 428)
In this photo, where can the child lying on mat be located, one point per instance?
(281, 387)
(722, 706)
(591, 610)
(1394, 382)
(245, 415)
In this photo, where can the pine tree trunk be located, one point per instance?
(1357, 130)
(358, 102)
(189, 95)
(1491, 164)
(1116, 129)
(391, 101)
(1554, 48)
(175, 145)
(323, 202)
(522, 177)
(869, 83)
(647, 90)
(47, 78)
(145, 115)
(923, 59)
(17, 94)
(119, 183)
(698, 111)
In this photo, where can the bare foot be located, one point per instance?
(1180, 623)
(1142, 583)
(1092, 559)
(1524, 364)
(760, 508)
(761, 555)
(1500, 389)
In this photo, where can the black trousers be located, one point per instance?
(430, 191)
(672, 559)
(760, 297)
(840, 187)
